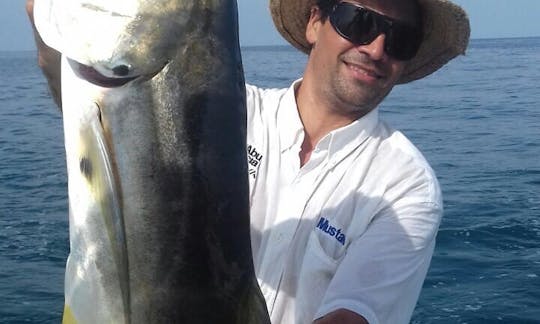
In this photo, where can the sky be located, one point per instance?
(489, 19)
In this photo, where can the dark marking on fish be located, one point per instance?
(85, 166)
(100, 9)
(99, 112)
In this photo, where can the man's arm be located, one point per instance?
(48, 59)
(341, 316)
(382, 272)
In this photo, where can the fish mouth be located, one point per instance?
(93, 76)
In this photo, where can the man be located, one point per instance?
(345, 209)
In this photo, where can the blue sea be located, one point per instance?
(477, 121)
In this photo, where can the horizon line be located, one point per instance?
(289, 45)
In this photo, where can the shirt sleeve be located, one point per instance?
(382, 272)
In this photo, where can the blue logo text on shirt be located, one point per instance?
(324, 226)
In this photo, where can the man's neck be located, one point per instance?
(318, 118)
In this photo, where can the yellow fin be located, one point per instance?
(68, 316)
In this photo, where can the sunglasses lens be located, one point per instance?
(402, 42)
(361, 26)
(354, 23)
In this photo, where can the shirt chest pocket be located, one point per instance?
(325, 247)
(323, 254)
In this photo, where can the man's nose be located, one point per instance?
(375, 49)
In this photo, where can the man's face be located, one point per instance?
(355, 78)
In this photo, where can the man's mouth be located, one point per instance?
(362, 69)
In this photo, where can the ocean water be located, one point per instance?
(477, 121)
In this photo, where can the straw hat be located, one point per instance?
(446, 32)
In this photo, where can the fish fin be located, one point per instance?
(68, 317)
(96, 166)
(97, 268)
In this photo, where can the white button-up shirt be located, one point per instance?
(353, 228)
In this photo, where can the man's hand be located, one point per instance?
(341, 316)
(48, 59)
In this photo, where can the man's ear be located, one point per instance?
(313, 25)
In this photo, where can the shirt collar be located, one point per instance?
(339, 142)
(289, 124)
(344, 140)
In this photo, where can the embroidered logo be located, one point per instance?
(254, 160)
(336, 233)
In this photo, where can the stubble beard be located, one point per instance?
(354, 98)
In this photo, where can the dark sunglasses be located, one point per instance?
(361, 26)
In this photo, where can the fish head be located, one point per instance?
(116, 39)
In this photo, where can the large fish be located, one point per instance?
(154, 120)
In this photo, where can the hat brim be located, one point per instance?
(446, 33)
